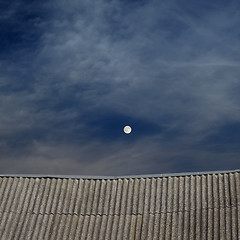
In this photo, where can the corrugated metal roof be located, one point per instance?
(187, 206)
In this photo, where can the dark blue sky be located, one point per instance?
(74, 73)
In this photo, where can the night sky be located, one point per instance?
(74, 73)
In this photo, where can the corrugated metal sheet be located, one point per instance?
(203, 206)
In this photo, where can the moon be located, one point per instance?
(127, 129)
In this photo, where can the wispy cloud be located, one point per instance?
(77, 71)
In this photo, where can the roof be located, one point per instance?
(117, 177)
(172, 206)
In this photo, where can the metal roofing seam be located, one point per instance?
(118, 215)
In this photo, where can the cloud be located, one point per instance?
(148, 156)
(78, 71)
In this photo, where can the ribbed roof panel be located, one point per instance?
(204, 206)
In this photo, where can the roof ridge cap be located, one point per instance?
(119, 177)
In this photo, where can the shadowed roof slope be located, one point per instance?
(171, 206)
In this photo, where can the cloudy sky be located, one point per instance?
(74, 73)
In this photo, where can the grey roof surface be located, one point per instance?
(117, 177)
(188, 206)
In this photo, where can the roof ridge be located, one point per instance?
(118, 177)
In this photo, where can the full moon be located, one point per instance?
(127, 129)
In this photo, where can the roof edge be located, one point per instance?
(118, 177)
